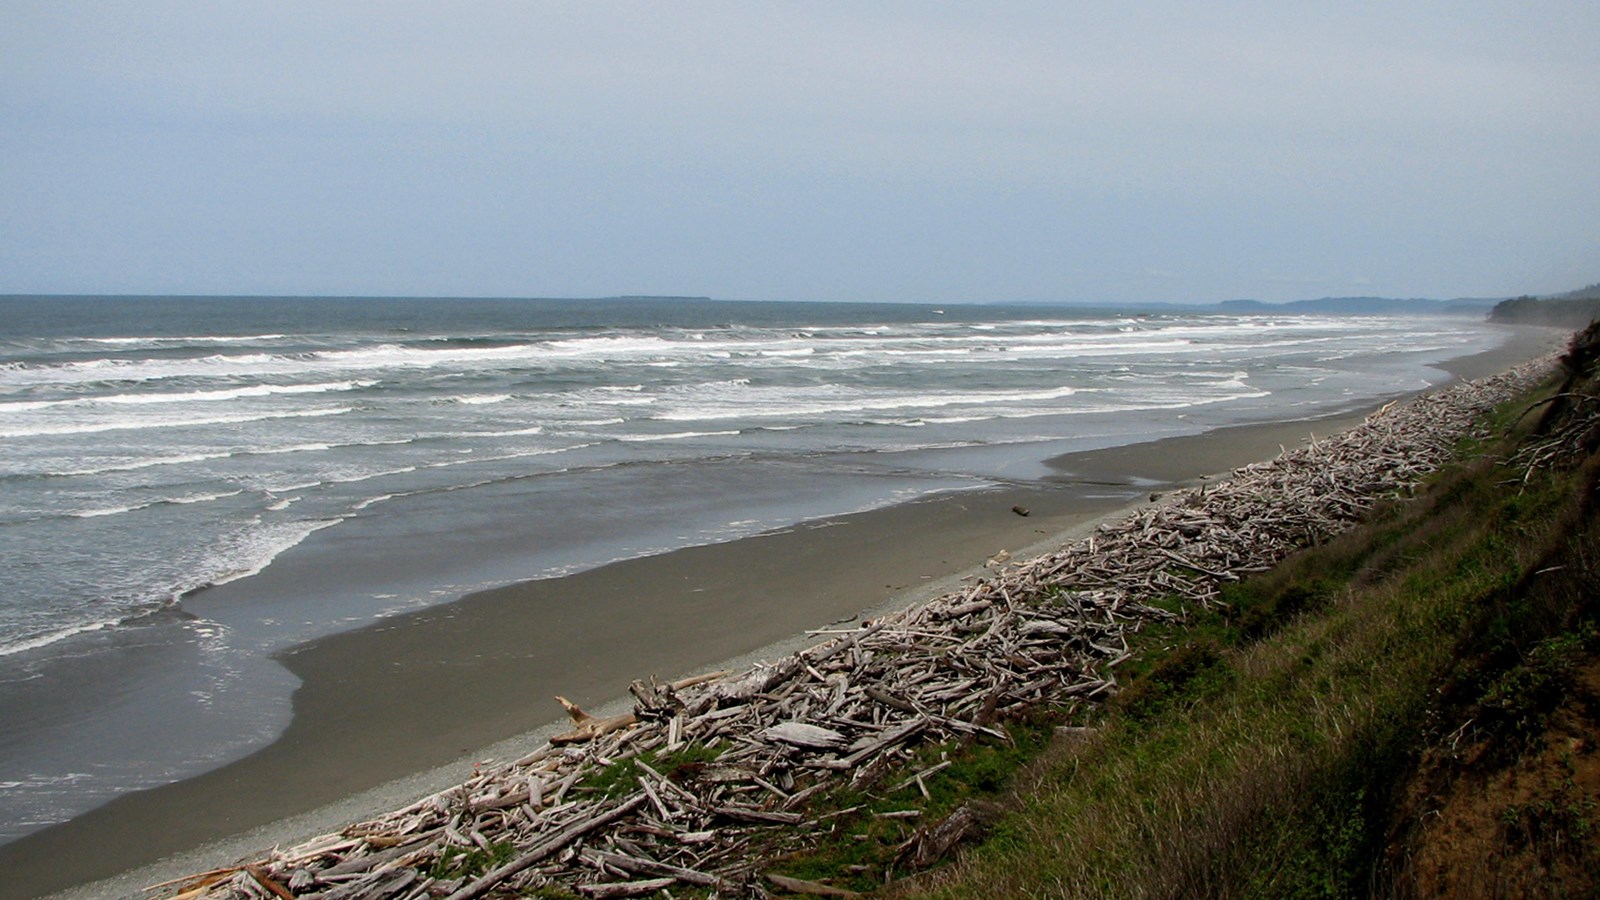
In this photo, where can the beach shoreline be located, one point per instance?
(455, 680)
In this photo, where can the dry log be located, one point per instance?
(758, 816)
(481, 885)
(888, 699)
(756, 681)
(626, 888)
(587, 727)
(191, 882)
(876, 745)
(366, 862)
(801, 734)
(374, 885)
(639, 866)
(802, 886)
(930, 844)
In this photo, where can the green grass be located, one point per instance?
(622, 776)
(463, 862)
(858, 846)
(1517, 701)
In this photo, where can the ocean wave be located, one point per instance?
(135, 465)
(111, 510)
(477, 399)
(236, 556)
(676, 436)
(203, 498)
(957, 420)
(611, 345)
(467, 485)
(525, 431)
(801, 346)
(761, 407)
(375, 358)
(187, 339)
(381, 357)
(184, 500)
(318, 447)
(138, 614)
(212, 396)
(397, 356)
(1045, 348)
(270, 544)
(120, 370)
(134, 424)
(340, 478)
(45, 639)
(503, 457)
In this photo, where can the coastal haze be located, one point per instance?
(193, 485)
(284, 517)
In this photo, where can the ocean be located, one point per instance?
(194, 484)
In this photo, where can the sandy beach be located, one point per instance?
(406, 706)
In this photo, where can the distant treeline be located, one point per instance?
(1575, 309)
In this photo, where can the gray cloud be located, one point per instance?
(906, 151)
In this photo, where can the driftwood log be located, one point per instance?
(710, 777)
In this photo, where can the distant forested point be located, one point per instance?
(1574, 309)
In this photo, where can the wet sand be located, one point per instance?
(419, 697)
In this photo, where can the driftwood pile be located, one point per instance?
(710, 776)
(1569, 430)
(1248, 523)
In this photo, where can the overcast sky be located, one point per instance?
(818, 150)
